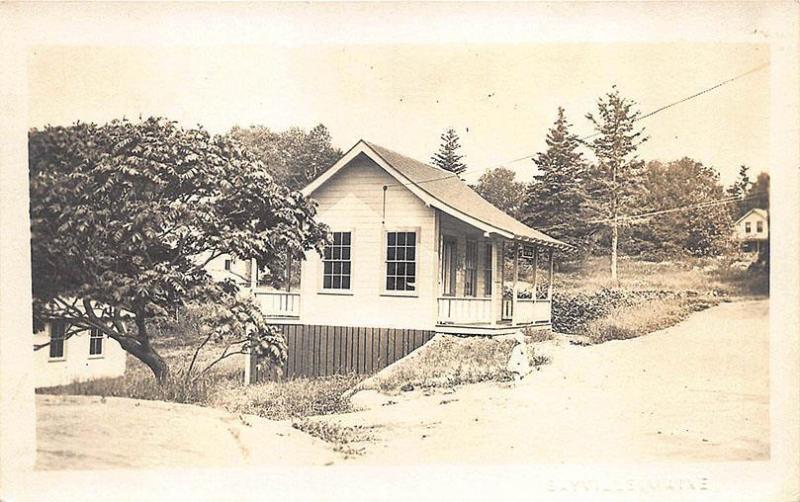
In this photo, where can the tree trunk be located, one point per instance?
(614, 242)
(143, 351)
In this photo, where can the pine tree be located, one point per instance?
(555, 201)
(615, 185)
(447, 157)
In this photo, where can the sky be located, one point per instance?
(500, 98)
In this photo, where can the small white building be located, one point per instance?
(83, 356)
(752, 229)
(415, 248)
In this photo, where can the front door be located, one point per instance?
(447, 267)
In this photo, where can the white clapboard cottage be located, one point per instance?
(415, 248)
(752, 229)
(62, 359)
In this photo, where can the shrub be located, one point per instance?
(571, 311)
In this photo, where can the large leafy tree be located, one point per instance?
(448, 157)
(690, 213)
(615, 181)
(294, 157)
(124, 217)
(500, 187)
(556, 199)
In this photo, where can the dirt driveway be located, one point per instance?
(695, 392)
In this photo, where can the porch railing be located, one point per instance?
(466, 310)
(279, 303)
(532, 311)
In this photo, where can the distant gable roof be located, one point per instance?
(441, 189)
(757, 210)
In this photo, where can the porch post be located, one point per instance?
(253, 272)
(535, 270)
(514, 288)
(550, 283)
(497, 292)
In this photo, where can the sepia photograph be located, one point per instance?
(281, 248)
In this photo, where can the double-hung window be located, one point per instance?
(747, 227)
(336, 262)
(401, 261)
(759, 227)
(95, 342)
(57, 338)
(471, 269)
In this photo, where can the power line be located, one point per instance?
(642, 117)
(649, 114)
(650, 214)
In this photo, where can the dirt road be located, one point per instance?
(83, 432)
(695, 392)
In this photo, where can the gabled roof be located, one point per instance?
(757, 210)
(441, 189)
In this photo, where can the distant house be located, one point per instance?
(752, 229)
(84, 356)
(414, 248)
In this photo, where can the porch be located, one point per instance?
(492, 285)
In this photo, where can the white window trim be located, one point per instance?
(384, 245)
(321, 290)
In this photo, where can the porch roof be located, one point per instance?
(444, 190)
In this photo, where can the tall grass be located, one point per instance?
(300, 397)
(633, 321)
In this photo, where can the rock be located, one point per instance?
(407, 387)
(518, 364)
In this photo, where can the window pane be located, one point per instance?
(411, 269)
(391, 254)
(337, 238)
(328, 253)
(328, 267)
(337, 253)
(326, 282)
(410, 255)
(336, 282)
(401, 254)
(346, 282)
(345, 253)
(346, 238)
(390, 283)
(401, 238)
(391, 268)
(346, 268)
(392, 238)
(411, 238)
(401, 284)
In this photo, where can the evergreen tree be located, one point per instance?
(555, 201)
(448, 157)
(615, 182)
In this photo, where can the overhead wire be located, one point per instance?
(584, 138)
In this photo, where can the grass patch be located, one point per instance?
(342, 437)
(299, 397)
(450, 361)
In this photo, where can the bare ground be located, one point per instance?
(84, 432)
(695, 392)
